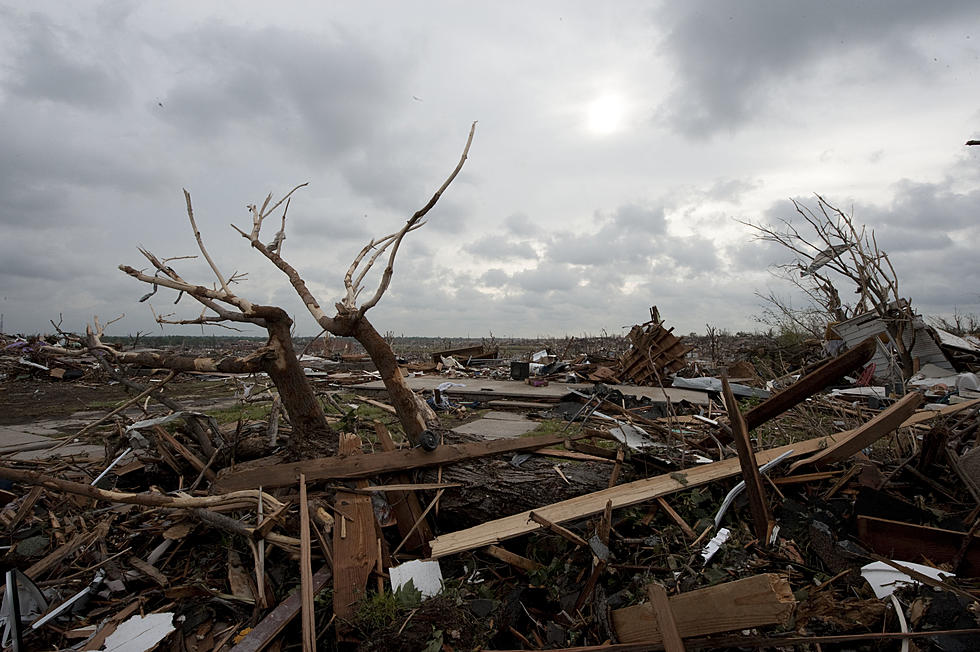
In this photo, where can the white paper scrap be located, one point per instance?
(426, 575)
(140, 633)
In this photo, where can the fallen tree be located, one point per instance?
(277, 357)
(830, 253)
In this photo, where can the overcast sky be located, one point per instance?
(617, 144)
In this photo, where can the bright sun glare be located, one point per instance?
(605, 114)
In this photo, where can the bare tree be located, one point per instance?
(277, 357)
(833, 252)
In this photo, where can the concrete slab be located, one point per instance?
(504, 416)
(87, 451)
(498, 425)
(11, 436)
(25, 442)
(487, 389)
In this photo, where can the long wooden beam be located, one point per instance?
(362, 466)
(593, 503)
(276, 620)
(866, 434)
(762, 522)
(807, 386)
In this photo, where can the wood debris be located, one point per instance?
(596, 530)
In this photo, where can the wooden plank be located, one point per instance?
(863, 436)
(946, 410)
(678, 519)
(593, 503)
(660, 604)
(306, 570)
(362, 466)
(762, 523)
(355, 542)
(186, 453)
(517, 561)
(571, 455)
(405, 504)
(919, 543)
(276, 620)
(378, 404)
(806, 386)
(805, 477)
(559, 530)
(751, 602)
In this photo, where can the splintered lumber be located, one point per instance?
(751, 602)
(677, 518)
(622, 495)
(355, 542)
(362, 466)
(848, 443)
(806, 386)
(655, 350)
(559, 530)
(185, 452)
(58, 556)
(662, 611)
(517, 561)
(761, 515)
(405, 504)
(306, 570)
(944, 411)
(277, 619)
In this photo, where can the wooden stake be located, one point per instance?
(517, 561)
(687, 529)
(665, 618)
(559, 530)
(762, 523)
(306, 570)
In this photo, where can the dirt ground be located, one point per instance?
(28, 400)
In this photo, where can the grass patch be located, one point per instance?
(247, 412)
(548, 427)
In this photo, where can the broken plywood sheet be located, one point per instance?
(498, 425)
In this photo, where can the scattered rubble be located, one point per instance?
(645, 493)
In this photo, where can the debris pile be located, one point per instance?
(569, 500)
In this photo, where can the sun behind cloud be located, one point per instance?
(605, 114)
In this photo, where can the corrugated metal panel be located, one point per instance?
(927, 351)
(948, 339)
(857, 329)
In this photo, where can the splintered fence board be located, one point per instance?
(363, 466)
(751, 602)
(621, 496)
